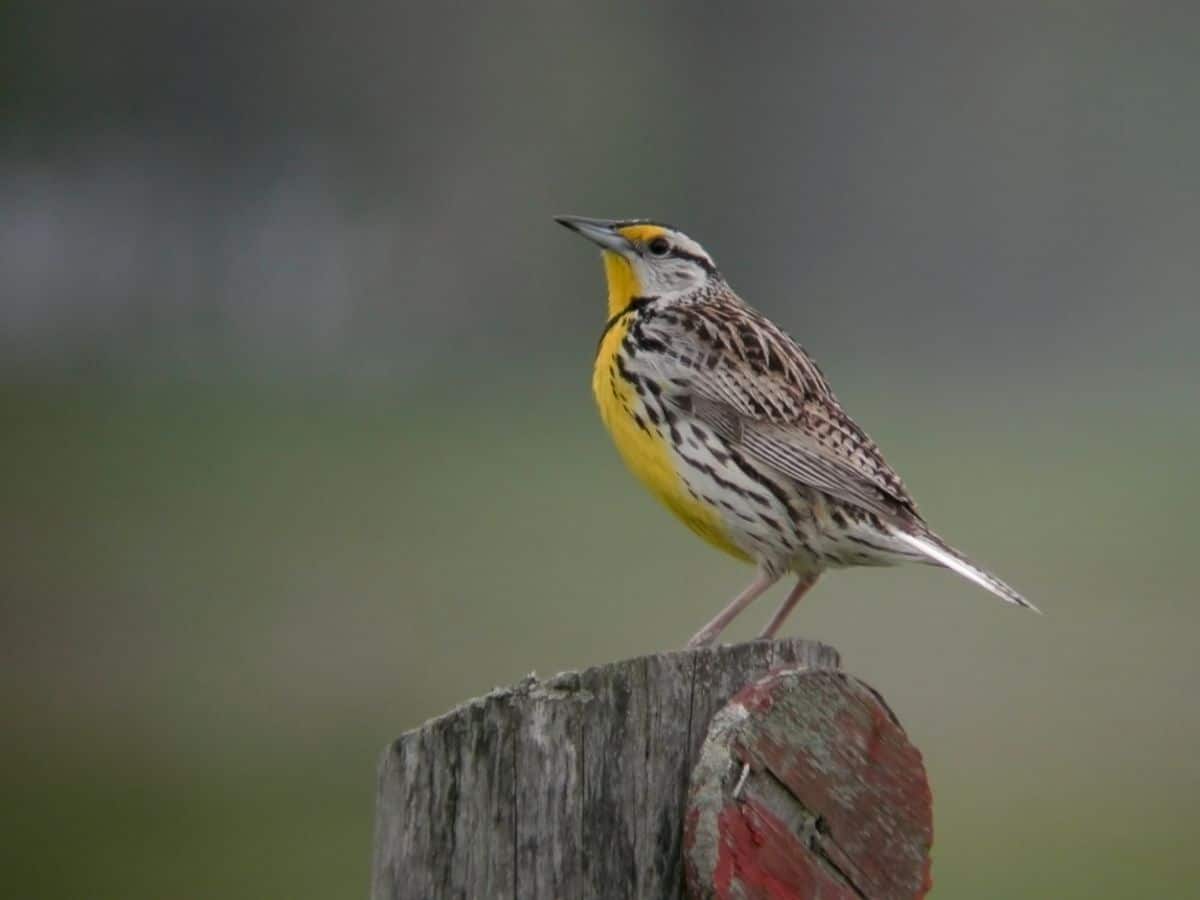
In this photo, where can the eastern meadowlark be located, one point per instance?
(728, 421)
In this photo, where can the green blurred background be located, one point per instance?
(298, 447)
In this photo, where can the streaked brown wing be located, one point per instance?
(757, 388)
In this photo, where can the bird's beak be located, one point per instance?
(598, 231)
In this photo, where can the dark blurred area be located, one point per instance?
(299, 448)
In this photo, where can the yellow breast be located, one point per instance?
(646, 448)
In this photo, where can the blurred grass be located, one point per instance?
(219, 603)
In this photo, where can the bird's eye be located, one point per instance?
(659, 246)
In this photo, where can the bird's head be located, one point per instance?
(645, 259)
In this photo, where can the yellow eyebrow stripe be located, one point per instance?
(643, 233)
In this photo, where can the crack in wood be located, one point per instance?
(836, 799)
(575, 786)
(807, 824)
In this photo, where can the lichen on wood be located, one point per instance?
(571, 787)
(808, 789)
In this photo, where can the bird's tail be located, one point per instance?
(938, 551)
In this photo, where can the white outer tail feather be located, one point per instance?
(932, 548)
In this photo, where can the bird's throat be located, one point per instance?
(623, 284)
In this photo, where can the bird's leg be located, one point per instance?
(799, 590)
(709, 632)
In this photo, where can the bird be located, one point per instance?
(730, 423)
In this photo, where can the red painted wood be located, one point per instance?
(760, 857)
(835, 803)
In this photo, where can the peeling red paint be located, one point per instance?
(758, 697)
(758, 858)
(835, 747)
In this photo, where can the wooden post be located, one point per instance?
(579, 786)
(808, 788)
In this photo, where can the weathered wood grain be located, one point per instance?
(574, 787)
(808, 789)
